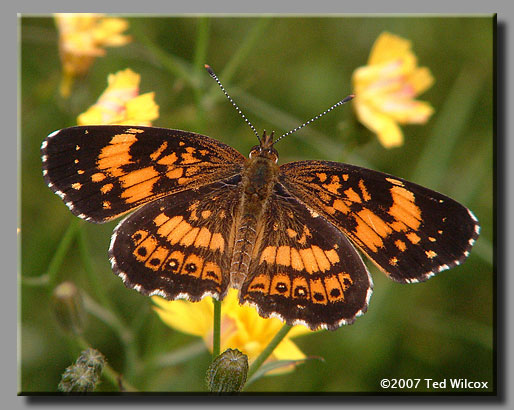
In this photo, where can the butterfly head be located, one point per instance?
(265, 148)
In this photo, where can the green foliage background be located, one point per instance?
(281, 71)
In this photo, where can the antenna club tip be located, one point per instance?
(209, 69)
(349, 98)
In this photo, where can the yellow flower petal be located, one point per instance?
(385, 89)
(299, 331)
(121, 104)
(108, 32)
(390, 135)
(142, 110)
(421, 80)
(287, 350)
(241, 327)
(191, 318)
(123, 80)
(388, 132)
(93, 115)
(388, 47)
(82, 37)
(407, 111)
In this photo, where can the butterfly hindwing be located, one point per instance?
(102, 172)
(303, 269)
(178, 246)
(408, 231)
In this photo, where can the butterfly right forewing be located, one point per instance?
(410, 232)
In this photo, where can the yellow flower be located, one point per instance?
(385, 89)
(121, 103)
(82, 38)
(241, 326)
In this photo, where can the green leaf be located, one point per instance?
(278, 364)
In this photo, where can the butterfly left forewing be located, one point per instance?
(303, 269)
(104, 171)
(408, 231)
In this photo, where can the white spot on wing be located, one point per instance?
(113, 238)
(443, 267)
(182, 296)
(300, 322)
(159, 292)
(472, 216)
(430, 274)
(53, 134)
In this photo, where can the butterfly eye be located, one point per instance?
(256, 150)
(273, 154)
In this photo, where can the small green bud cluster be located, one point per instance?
(84, 374)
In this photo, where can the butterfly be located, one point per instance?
(206, 219)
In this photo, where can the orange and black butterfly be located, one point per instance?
(207, 218)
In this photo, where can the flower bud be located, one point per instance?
(68, 307)
(83, 375)
(92, 359)
(227, 372)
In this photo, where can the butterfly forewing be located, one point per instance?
(408, 231)
(102, 172)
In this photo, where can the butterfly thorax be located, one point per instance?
(259, 176)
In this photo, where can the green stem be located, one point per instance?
(268, 350)
(238, 57)
(202, 41)
(178, 356)
(244, 49)
(453, 118)
(171, 63)
(125, 334)
(62, 249)
(216, 331)
(98, 288)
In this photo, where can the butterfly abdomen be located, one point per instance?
(259, 177)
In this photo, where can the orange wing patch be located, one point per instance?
(404, 208)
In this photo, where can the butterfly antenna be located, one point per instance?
(213, 75)
(343, 101)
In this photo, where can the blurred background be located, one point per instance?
(281, 72)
